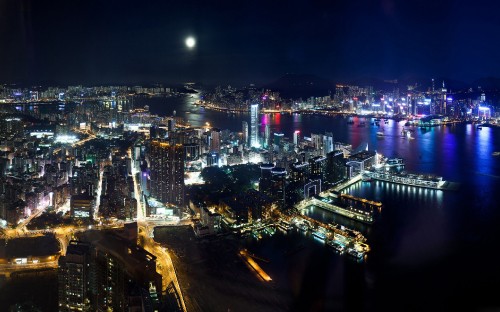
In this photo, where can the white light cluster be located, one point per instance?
(66, 139)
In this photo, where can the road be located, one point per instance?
(64, 234)
(164, 264)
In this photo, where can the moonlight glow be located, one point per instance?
(190, 42)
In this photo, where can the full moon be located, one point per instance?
(190, 42)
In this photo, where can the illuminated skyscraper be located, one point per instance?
(167, 171)
(244, 130)
(254, 129)
(296, 136)
(74, 278)
(267, 136)
(215, 140)
(327, 143)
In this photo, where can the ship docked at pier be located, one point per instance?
(393, 171)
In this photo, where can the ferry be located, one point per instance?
(285, 226)
(270, 230)
(411, 179)
(319, 234)
(302, 226)
(359, 255)
(257, 235)
(336, 245)
(406, 134)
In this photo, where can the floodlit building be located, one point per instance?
(167, 171)
(254, 125)
(74, 278)
(82, 206)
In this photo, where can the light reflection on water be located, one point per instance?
(418, 229)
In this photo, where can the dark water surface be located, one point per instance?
(431, 250)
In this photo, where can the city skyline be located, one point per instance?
(249, 156)
(90, 42)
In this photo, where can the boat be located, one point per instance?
(406, 134)
(359, 255)
(392, 172)
(285, 226)
(343, 209)
(319, 234)
(256, 234)
(336, 245)
(302, 226)
(380, 133)
(495, 154)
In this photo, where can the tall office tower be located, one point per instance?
(167, 171)
(317, 167)
(317, 141)
(443, 100)
(215, 140)
(296, 136)
(277, 139)
(265, 179)
(106, 272)
(171, 124)
(191, 151)
(267, 136)
(74, 278)
(327, 143)
(278, 182)
(254, 129)
(335, 167)
(244, 130)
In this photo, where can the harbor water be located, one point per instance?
(430, 249)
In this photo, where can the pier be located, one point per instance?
(252, 264)
(348, 183)
(369, 205)
(349, 212)
(359, 238)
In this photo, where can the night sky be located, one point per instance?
(239, 42)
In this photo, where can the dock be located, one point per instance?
(348, 183)
(252, 264)
(365, 216)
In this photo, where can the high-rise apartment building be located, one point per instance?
(167, 171)
(215, 138)
(106, 272)
(244, 130)
(254, 123)
(74, 278)
(267, 136)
